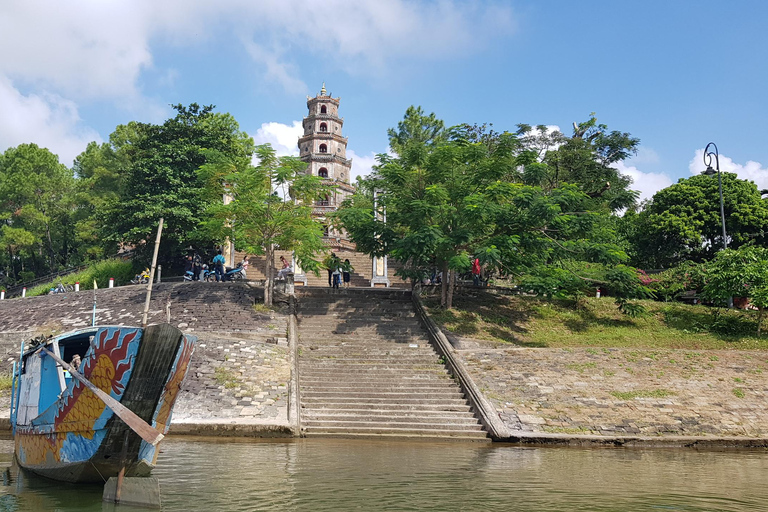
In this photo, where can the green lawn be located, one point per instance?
(534, 322)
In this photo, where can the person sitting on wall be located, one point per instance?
(287, 269)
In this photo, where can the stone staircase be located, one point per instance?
(359, 277)
(366, 368)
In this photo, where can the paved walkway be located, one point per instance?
(618, 392)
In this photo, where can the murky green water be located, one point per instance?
(314, 475)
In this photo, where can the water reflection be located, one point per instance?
(371, 475)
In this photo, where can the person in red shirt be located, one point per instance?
(476, 272)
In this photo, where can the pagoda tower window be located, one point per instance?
(323, 148)
(323, 201)
(323, 110)
(323, 172)
(323, 127)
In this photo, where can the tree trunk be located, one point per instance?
(444, 285)
(268, 283)
(451, 286)
(52, 255)
(759, 319)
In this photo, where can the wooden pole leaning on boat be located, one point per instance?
(138, 425)
(152, 274)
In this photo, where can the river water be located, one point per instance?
(317, 475)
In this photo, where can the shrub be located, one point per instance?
(122, 271)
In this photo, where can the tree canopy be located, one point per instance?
(459, 194)
(35, 196)
(161, 179)
(682, 222)
(270, 206)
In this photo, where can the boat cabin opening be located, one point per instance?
(42, 379)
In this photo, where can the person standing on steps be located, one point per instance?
(197, 266)
(218, 266)
(331, 263)
(336, 274)
(346, 268)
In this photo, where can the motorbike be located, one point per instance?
(61, 288)
(142, 278)
(238, 273)
(207, 275)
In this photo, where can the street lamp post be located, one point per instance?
(708, 155)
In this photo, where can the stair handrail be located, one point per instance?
(488, 415)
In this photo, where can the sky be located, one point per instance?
(676, 74)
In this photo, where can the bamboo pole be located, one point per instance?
(152, 274)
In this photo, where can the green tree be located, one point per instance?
(740, 273)
(682, 222)
(34, 192)
(585, 159)
(458, 197)
(270, 207)
(101, 172)
(162, 179)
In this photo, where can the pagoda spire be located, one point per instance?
(323, 92)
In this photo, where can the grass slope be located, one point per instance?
(534, 322)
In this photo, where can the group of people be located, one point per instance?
(194, 263)
(338, 270)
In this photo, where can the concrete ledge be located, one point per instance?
(206, 429)
(594, 441)
(486, 413)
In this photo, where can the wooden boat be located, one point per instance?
(62, 424)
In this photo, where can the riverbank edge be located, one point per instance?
(221, 430)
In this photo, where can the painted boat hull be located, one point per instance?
(77, 438)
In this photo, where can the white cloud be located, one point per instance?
(88, 49)
(48, 120)
(276, 70)
(361, 165)
(647, 183)
(368, 35)
(283, 138)
(61, 56)
(92, 49)
(749, 171)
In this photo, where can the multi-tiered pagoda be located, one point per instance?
(325, 150)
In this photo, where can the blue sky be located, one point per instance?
(676, 74)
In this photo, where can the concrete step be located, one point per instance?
(357, 313)
(377, 380)
(440, 394)
(359, 423)
(354, 349)
(331, 414)
(418, 389)
(314, 354)
(399, 432)
(374, 327)
(330, 338)
(314, 406)
(397, 437)
(390, 362)
(312, 402)
(331, 374)
(369, 359)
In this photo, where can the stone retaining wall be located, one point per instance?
(240, 372)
